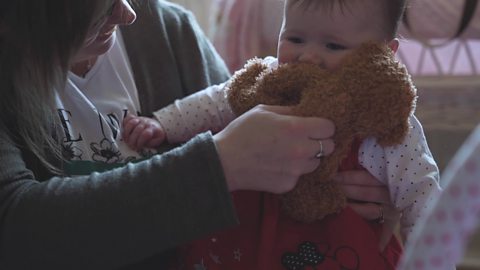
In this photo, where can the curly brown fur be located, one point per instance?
(371, 95)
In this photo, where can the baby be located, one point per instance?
(320, 32)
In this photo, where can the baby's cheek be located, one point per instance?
(285, 54)
(281, 58)
(284, 59)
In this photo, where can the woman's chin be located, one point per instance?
(101, 45)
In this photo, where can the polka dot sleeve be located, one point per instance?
(205, 110)
(442, 234)
(409, 171)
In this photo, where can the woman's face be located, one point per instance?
(100, 36)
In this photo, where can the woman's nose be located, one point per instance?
(123, 14)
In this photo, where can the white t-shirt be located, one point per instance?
(92, 109)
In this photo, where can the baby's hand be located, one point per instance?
(142, 132)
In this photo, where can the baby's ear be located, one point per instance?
(240, 92)
(394, 44)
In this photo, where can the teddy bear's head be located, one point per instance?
(370, 95)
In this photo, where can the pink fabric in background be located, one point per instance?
(441, 237)
(440, 19)
(237, 38)
(457, 58)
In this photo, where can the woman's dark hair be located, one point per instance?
(38, 40)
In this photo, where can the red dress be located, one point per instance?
(266, 239)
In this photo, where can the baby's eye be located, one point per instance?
(335, 47)
(295, 40)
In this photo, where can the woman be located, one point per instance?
(122, 216)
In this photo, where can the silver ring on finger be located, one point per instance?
(320, 153)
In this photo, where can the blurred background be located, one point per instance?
(440, 46)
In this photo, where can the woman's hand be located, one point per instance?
(371, 200)
(266, 149)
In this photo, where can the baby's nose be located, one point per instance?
(311, 57)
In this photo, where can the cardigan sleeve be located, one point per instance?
(106, 220)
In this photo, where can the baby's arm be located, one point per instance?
(408, 169)
(205, 110)
(142, 132)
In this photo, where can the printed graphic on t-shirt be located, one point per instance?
(99, 150)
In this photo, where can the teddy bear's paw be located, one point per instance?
(395, 136)
(308, 213)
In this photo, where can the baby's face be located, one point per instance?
(323, 36)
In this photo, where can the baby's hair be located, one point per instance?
(394, 10)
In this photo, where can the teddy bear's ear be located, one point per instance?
(387, 96)
(391, 114)
(240, 93)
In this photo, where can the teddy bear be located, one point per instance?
(370, 95)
